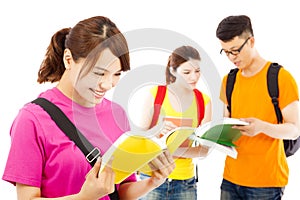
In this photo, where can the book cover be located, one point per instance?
(133, 150)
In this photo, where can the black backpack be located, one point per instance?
(290, 146)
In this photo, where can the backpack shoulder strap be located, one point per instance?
(229, 87)
(64, 123)
(160, 96)
(200, 113)
(272, 81)
(200, 105)
(159, 99)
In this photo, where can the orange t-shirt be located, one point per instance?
(261, 160)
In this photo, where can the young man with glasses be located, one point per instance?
(260, 170)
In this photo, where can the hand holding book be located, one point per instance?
(220, 134)
(135, 149)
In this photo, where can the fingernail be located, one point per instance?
(98, 159)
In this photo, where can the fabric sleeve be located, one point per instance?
(153, 91)
(206, 99)
(288, 90)
(223, 90)
(26, 155)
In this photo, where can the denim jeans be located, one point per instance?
(173, 190)
(231, 191)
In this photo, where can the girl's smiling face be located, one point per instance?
(104, 75)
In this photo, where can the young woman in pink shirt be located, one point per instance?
(86, 61)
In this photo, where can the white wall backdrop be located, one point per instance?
(27, 26)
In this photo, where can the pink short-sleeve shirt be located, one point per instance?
(41, 155)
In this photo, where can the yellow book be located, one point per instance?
(135, 149)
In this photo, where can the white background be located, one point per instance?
(27, 26)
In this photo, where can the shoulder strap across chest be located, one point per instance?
(160, 96)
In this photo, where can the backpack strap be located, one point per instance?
(272, 81)
(229, 87)
(159, 98)
(200, 105)
(65, 124)
(290, 146)
(200, 112)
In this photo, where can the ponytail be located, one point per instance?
(52, 67)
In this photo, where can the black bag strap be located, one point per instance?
(229, 87)
(63, 122)
(272, 81)
(290, 146)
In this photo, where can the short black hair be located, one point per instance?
(233, 26)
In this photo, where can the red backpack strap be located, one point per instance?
(159, 98)
(200, 105)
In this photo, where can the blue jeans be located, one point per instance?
(231, 191)
(173, 190)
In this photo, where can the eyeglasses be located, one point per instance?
(235, 51)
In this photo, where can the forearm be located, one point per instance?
(281, 131)
(161, 167)
(36, 195)
(290, 129)
(191, 152)
(134, 190)
(70, 197)
(25, 192)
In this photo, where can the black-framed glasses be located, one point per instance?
(235, 51)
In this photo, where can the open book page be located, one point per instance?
(175, 138)
(135, 149)
(228, 150)
(183, 122)
(220, 135)
(172, 140)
